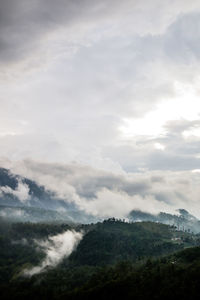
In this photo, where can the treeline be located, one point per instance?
(113, 259)
(174, 277)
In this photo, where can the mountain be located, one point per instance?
(170, 278)
(19, 191)
(22, 199)
(183, 220)
(114, 259)
(115, 240)
(148, 257)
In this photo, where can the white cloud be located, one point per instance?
(106, 85)
(12, 213)
(159, 146)
(119, 204)
(56, 248)
(105, 194)
(21, 191)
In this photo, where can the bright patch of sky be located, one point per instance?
(184, 105)
(107, 85)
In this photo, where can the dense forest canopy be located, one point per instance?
(113, 258)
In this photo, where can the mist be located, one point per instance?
(21, 191)
(105, 194)
(56, 248)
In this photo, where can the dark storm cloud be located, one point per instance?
(25, 24)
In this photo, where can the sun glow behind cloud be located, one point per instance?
(108, 86)
(159, 146)
(185, 105)
(193, 132)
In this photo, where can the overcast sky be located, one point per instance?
(110, 85)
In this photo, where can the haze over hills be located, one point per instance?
(19, 191)
(183, 220)
(99, 149)
(22, 199)
(45, 239)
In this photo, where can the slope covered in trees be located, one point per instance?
(113, 258)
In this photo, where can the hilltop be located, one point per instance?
(111, 254)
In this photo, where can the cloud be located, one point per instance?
(119, 204)
(56, 248)
(26, 26)
(74, 73)
(12, 213)
(105, 194)
(125, 63)
(21, 191)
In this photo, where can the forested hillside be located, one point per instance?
(113, 257)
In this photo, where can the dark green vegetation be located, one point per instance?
(113, 241)
(114, 259)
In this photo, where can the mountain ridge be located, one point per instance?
(22, 199)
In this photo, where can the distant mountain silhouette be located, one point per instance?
(22, 199)
(183, 220)
(38, 204)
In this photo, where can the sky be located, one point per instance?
(106, 90)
